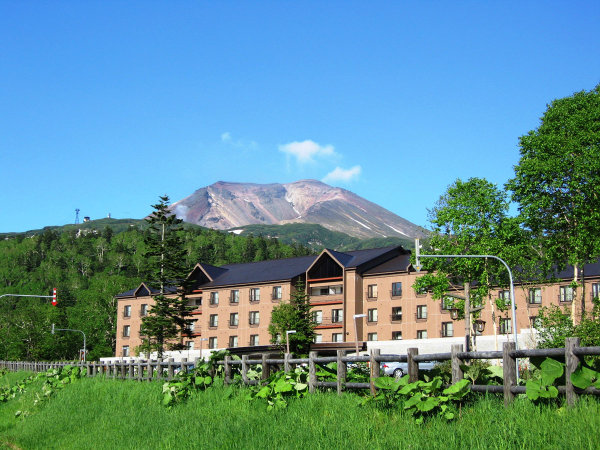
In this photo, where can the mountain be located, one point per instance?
(227, 206)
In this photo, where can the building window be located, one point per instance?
(253, 340)
(127, 311)
(372, 315)
(233, 341)
(144, 310)
(396, 313)
(421, 334)
(212, 342)
(254, 318)
(397, 289)
(595, 291)
(213, 320)
(447, 329)
(372, 291)
(276, 293)
(337, 337)
(255, 294)
(422, 312)
(396, 335)
(372, 336)
(447, 303)
(337, 316)
(318, 317)
(566, 294)
(504, 297)
(505, 326)
(535, 322)
(214, 298)
(191, 327)
(318, 338)
(189, 345)
(233, 320)
(234, 296)
(326, 290)
(126, 331)
(421, 292)
(125, 350)
(535, 296)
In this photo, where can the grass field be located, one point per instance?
(96, 413)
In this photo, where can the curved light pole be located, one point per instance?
(77, 331)
(53, 296)
(287, 340)
(512, 287)
(357, 316)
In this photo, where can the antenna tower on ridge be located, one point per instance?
(76, 216)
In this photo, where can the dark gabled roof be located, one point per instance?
(589, 270)
(212, 271)
(357, 258)
(283, 269)
(400, 263)
(261, 271)
(145, 291)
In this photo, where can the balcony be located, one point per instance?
(330, 323)
(396, 317)
(395, 293)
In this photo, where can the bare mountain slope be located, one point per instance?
(224, 205)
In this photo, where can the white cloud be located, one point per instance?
(342, 175)
(307, 151)
(243, 144)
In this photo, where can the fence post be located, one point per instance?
(184, 367)
(170, 369)
(312, 372)
(571, 364)
(265, 367)
(374, 369)
(509, 365)
(457, 373)
(286, 363)
(341, 372)
(413, 366)
(227, 367)
(150, 371)
(159, 368)
(245, 369)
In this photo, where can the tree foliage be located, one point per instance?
(556, 180)
(295, 315)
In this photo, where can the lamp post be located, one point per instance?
(357, 316)
(202, 339)
(468, 310)
(77, 331)
(287, 340)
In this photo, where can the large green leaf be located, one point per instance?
(551, 370)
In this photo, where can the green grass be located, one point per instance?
(94, 413)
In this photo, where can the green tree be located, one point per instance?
(167, 319)
(556, 182)
(469, 219)
(294, 315)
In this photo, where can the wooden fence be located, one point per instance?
(572, 354)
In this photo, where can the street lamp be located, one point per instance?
(357, 316)
(468, 310)
(77, 331)
(287, 340)
(202, 339)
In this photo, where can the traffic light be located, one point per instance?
(54, 301)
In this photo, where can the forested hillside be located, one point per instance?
(88, 268)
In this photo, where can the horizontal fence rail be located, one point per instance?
(147, 370)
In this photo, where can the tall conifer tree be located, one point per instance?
(167, 319)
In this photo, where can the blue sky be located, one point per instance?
(104, 106)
